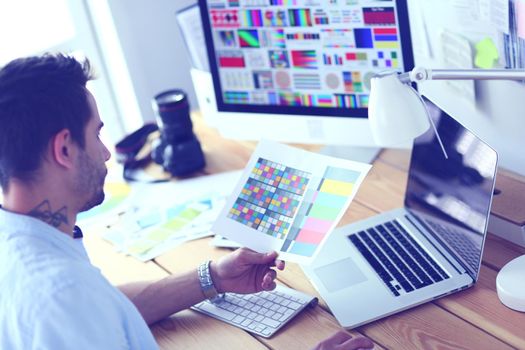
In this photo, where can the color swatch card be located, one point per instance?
(289, 200)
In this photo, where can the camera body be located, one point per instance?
(178, 150)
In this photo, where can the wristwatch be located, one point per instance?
(207, 286)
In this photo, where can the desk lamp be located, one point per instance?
(395, 105)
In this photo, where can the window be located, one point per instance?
(29, 27)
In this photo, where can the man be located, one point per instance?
(52, 166)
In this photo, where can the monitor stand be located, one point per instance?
(355, 153)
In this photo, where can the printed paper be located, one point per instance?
(289, 200)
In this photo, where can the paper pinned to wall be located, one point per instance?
(189, 20)
(496, 13)
(471, 20)
(289, 200)
(457, 53)
(466, 11)
(421, 39)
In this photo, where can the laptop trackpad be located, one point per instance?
(340, 274)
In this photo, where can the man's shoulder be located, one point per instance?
(39, 285)
(33, 272)
(37, 256)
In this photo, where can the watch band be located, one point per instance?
(207, 286)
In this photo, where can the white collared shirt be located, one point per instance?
(51, 297)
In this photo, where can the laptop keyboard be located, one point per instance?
(398, 259)
(454, 238)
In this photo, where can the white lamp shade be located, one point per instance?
(395, 111)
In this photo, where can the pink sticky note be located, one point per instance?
(520, 18)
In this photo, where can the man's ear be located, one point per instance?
(63, 148)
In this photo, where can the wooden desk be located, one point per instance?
(471, 319)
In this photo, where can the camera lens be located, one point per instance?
(178, 150)
(173, 115)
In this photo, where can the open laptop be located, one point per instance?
(430, 248)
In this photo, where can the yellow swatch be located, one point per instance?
(337, 187)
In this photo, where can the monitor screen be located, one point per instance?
(303, 57)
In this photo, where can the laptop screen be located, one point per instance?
(452, 197)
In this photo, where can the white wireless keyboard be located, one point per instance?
(262, 313)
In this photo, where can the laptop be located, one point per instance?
(430, 248)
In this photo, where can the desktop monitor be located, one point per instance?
(299, 70)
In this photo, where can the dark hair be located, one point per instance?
(39, 96)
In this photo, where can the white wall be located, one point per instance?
(153, 47)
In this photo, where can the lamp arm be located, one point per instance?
(431, 122)
(420, 74)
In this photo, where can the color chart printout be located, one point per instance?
(303, 53)
(289, 200)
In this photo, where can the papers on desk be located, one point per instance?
(153, 218)
(289, 200)
(146, 233)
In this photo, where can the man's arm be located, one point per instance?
(243, 271)
(158, 300)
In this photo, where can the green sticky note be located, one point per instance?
(486, 54)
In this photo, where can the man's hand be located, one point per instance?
(245, 271)
(344, 341)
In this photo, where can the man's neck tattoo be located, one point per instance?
(43, 212)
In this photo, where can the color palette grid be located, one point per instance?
(258, 193)
(270, 198)
(352, 81)
(247, 213)
(284, 202)
(319, 210)
(300, 45)
(275, 225)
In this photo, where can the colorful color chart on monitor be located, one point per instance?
(303, 53)
(289, 200)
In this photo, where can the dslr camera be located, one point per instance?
(178, 150)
